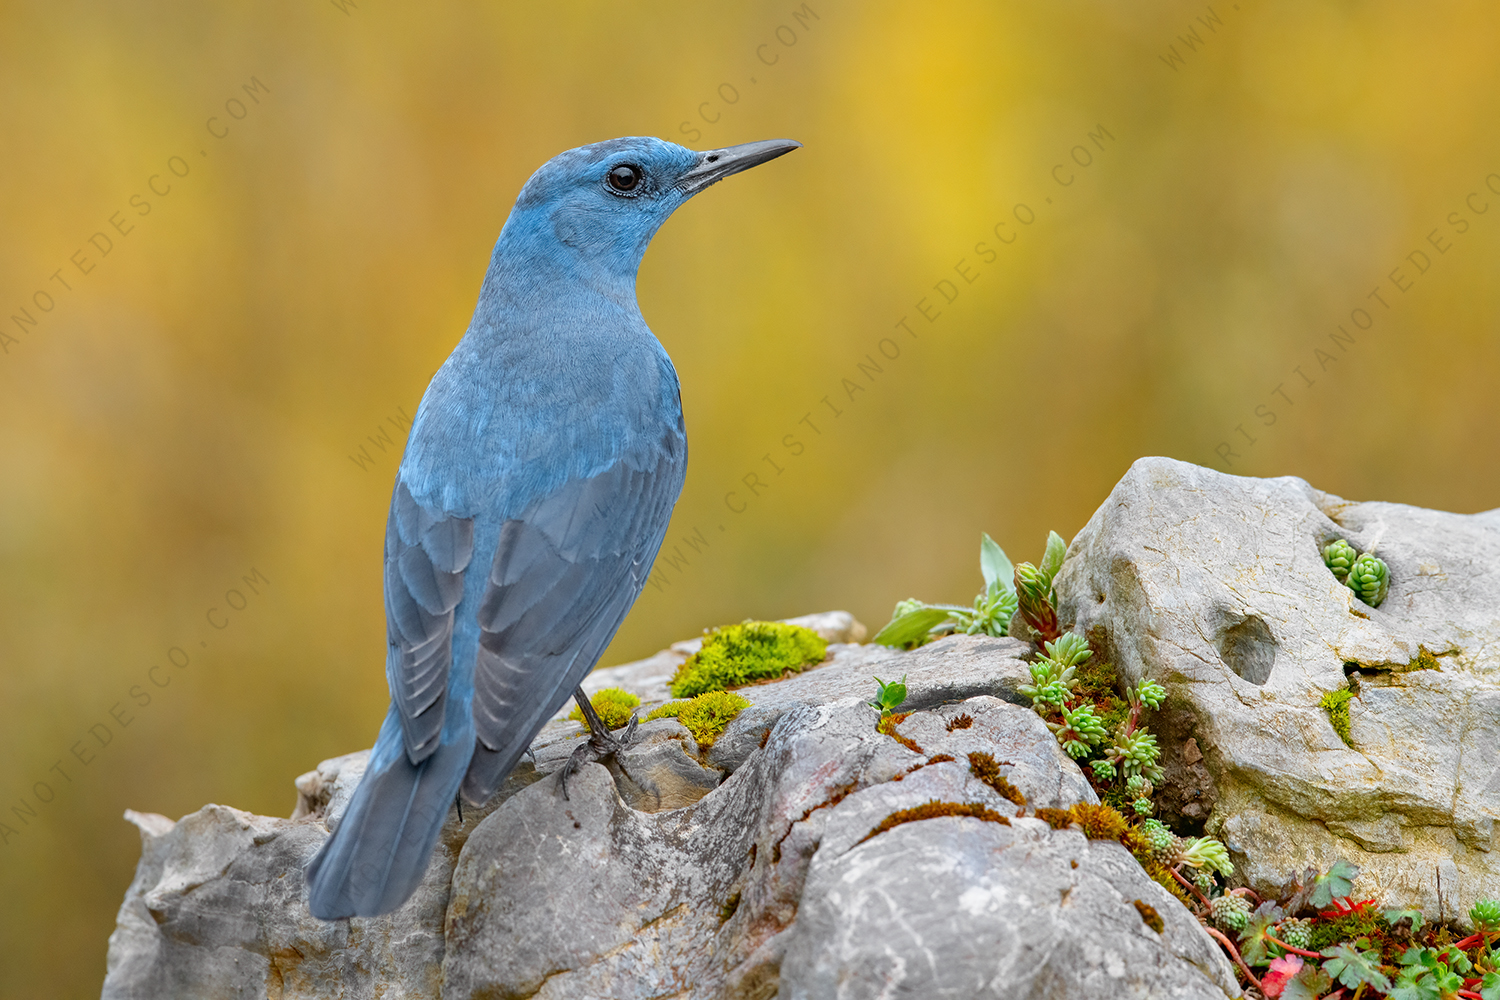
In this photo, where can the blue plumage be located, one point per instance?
(537, 483)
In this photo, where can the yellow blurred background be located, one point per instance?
(1058, 235)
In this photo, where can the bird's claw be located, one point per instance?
(601, 744)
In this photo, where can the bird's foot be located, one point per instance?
(602, 744)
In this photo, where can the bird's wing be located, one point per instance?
(426, 553)
(564, 575)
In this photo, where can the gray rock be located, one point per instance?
(659, 876)
(949, 670)
(961, 908)
(586, 897)
(1214, 585)
(218, 908)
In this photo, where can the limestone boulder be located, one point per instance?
(751, 869)
(1214, 586)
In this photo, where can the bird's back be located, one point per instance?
(535, 490)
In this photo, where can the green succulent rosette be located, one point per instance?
(1230, 913)
(1034, 595)
(1339, 556)
(1370, 579)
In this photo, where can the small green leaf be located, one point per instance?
(1489, 986)
(1412, 990)
(1337, 884)
(994, 565)
(1351, 968)
(1052, 559)
(1309, 984)
(1254, 947)
(891, 695)
(1395, 916)
(911, 628)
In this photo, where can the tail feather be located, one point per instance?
(376, 858)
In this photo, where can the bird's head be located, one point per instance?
(595, 208)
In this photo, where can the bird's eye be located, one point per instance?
(625, 177)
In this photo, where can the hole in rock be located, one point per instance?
(1249, 648)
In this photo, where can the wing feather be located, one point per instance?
(563, 577)
(426, 553)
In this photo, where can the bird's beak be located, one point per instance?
(717, 164)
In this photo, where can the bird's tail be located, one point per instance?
(377, 856)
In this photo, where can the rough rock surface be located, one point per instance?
(1214, 586)
(741, 873)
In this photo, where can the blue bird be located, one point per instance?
(538, 479)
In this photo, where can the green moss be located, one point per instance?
(1329, 932)
(614, 706)
(736, 655)
(1337, 705)
(1424, 660)
(1096, 679)
(705, 716)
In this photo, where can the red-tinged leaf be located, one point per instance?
(1282, 970)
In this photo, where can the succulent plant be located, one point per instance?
(1162, 843)
(1485, 916)
(915, 622)
(1295, 932)
(1206, 852)
(1364, 573)
(1138, 753)
(1148, 693)
(1070, 649)
(1141, 789)
(1370, 579)
(991, 614)
(1034, 596)
(1052, 675)
(1339, 557)
(1080, 731)
(1230, 913)
(1204, 881)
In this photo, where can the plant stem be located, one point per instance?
(1294, 950)
(1189, 886)
(1234, 953)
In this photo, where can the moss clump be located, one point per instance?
(1058, 819)
(736, 655)
(1162, 876)
(705, 716)
(1424, 660)
(1149, 916)
(933, 809)
(984, 767)
(1337, 705)
(887, 727)
(1361, 923)
(614, 706)
(963, 721)
(1099, 822)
